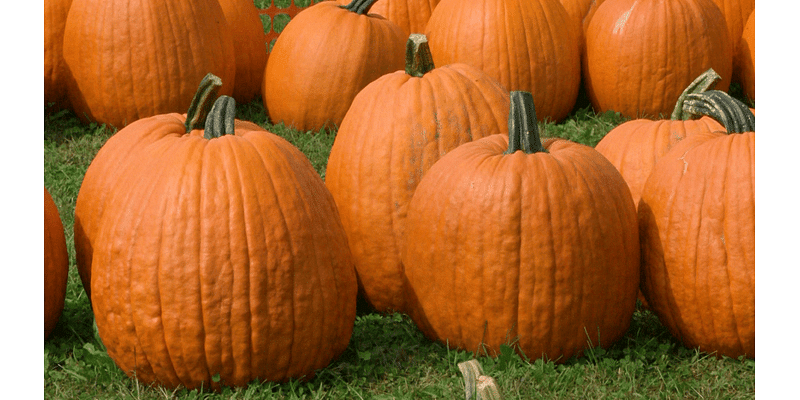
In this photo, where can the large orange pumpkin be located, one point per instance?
(323, 57)
(132, 60)
(247, 32)
(396, 129)
(512, 240)
(220, 259)
(747, 57)
(581, 12)
(56, 72)
(56, 265)
(528, 45)
(410, 15)
(697, 229)
(736, 13)
(641, 54)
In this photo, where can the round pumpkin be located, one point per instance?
(220, 259)
(641, 54)
(697, 224)
(56, 265)
(323, 57)
(581, 12)
(509, 239)
(56, 72)
(397, 127)
(736, 13)
(135, 60)
(247, 31)
(410, 15)
(527, 45)
(747, 57)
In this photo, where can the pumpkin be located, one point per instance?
(581, 12)
(220, 259)
(247, 32)
(55, 69)
(135, 60)
(641, 54)
(104, 171)
(56, 265)
(410, 15)
(397, 127)
(527, 45)
(697, 229)
(747, 57)
(736, 13)
(510, 239)
(323, 57)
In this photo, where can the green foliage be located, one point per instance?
(388, 357)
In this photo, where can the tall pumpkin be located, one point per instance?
(247, 32)
(641, 54)
(220, 259)
(56, 265)
(324, 56)
(397, 127)
(55, 68)
(527, 45)
(132, 60)
(512, 240)
(697, 229)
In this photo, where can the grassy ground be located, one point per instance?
(387, 357)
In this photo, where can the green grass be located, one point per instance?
(388, 357)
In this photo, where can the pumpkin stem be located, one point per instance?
(202, 101)
(359, 6)
(523, 130)
(734, 115)
(221, 118)
(419, 60)
(706, 81)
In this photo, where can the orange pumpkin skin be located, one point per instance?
(736, 13)
(397, 127)
(747, 57)
(526, 45)
(221, 258)
(55, 69)
(540, 248)
(56, 265)
(641, 54)
(131, 61)
(697, 230)
(247, 32)
(322, 59)
(581, 12)
(410, 15)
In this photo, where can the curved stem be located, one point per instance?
(359, 6)
(523, 130)
(419, 60)
(706, 81)
(202, 101)
(221, 118)
(734, 115)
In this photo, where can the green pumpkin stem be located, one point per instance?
(359, 6)
(419, 60)
(221, 118)
(202, 101)
(706, 81)
(734, 115)
(523, 129)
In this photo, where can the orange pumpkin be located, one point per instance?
(132, 60)
(511, 239)
(527, 45)
(323, 57)
(410, 15)
(581, 12)
(747, 57)
(244, 22)
(641, 54)
(397, 127)
(220, 259)
(736, 13)
(55, 68)
(697, 229)
(56, 265)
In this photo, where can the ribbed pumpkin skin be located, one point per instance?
(697, 228)
(410, 15)
(397, 127)
(736, 13)
(322, 59)
(641, 54)
(581, 12)
(55, 68)
(535, 246)
(747, 57)
(248, 42)
(527, 45)
(136, 60)
(56, 265)
(222, 256)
